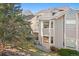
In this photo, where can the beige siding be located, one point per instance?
(34, 24)
(78, 31)
(70, 29)
(40, 36)
(59, 33)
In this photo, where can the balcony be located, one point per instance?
(46, 31)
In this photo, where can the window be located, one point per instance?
(35, 35)
(37, 38)
(70, 43)
(45, 39)
(70, 21)
(37, 16)
(53, 13)
(51, 24)
(46, 24)
(61, 10)
(51, 39)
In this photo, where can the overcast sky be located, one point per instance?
(34, 7)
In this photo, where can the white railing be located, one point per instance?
(46, 31)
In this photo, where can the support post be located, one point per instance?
(42, 32)
(76, 31)
(49, 33)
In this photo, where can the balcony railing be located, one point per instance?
(46, 31)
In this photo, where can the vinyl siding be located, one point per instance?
(70, 29)
(59, 32)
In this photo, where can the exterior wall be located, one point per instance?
(78, 29)
(70, 29)
(34, 24)
(56, 32)
(40, 32)
(59, 32)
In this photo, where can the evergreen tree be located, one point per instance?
(13, 28)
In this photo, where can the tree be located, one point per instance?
(13, 28)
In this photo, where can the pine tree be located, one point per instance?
(13, 28)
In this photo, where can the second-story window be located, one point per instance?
(46, 24)
(53, 13)
(51, 24)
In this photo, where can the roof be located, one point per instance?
(48, 14)
(52, 9)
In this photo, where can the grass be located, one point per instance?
(37, 52)
(33, 51)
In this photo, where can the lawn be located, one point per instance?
(36, 52)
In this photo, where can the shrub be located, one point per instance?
(68, 52)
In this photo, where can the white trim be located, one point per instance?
(64, 34)
(76, 31)
(42, 31)
(49, 33)
(53, 44)
(54, 32)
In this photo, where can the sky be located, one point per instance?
(35, 7)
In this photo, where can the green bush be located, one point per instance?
(68, 52)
